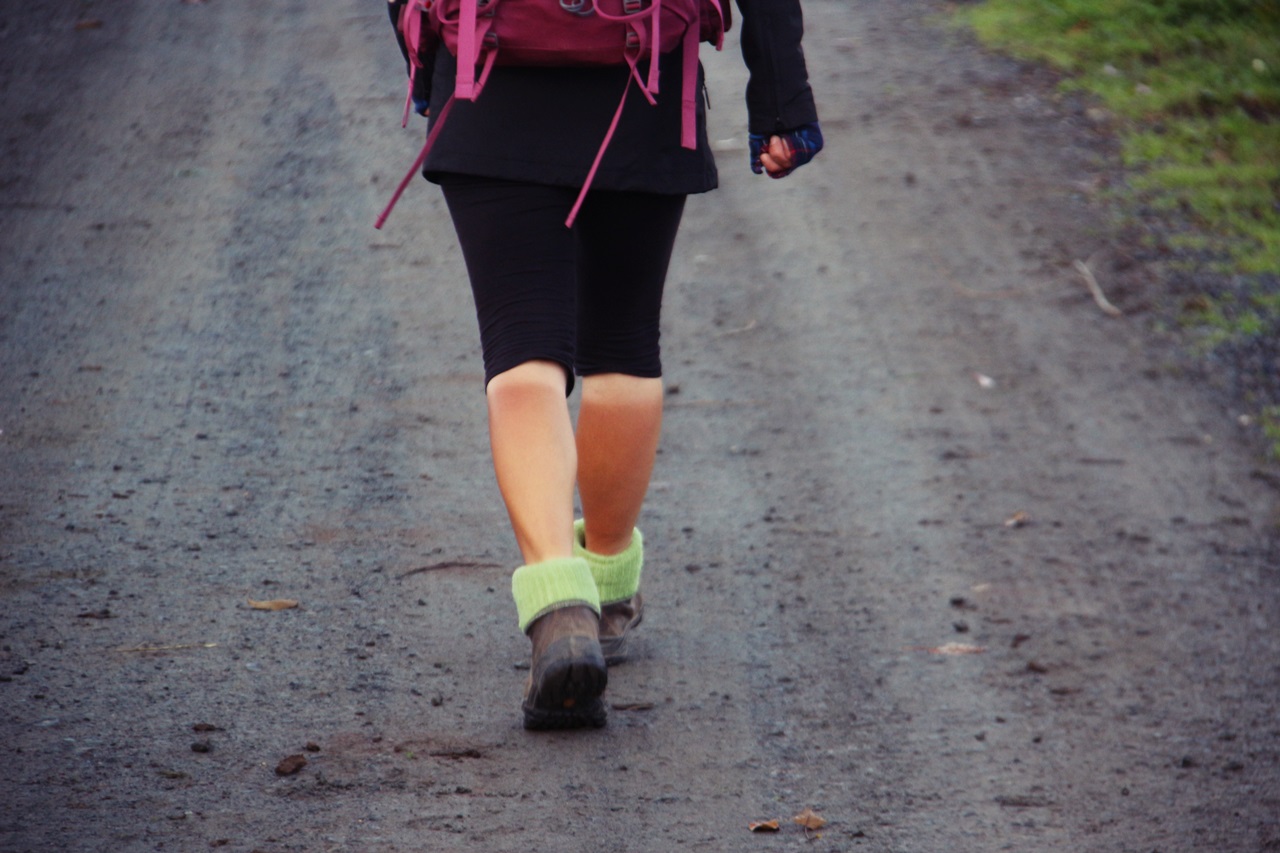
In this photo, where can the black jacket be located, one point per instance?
(545, 125)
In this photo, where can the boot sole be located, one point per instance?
(565, 688)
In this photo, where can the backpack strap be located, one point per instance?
(475, 38)
(639, 28)
(477, 43)
(634, 15)
(417, 164)
(595, 165)
(689, 90)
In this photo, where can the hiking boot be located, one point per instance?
(615, 621)
(569, 673)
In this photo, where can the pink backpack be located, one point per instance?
(484, 33)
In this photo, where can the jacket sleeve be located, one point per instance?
(778, 93)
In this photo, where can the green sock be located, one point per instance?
(542, 587)
(617, 576)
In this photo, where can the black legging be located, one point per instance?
(588, 298)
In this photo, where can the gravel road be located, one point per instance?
(937, 549)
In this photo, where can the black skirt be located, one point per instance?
(545, 126)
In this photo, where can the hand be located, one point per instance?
(781, 154)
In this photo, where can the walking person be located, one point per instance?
(555, 303)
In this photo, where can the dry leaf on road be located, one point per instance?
(764, 825)
(810, 819)
(273, 604)
(951, 649)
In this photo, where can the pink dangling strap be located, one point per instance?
(417, 164)
(632, 56)
(689, 91)
(411, 28)
(655, 39)
(468, 51)
(490, 58)
(586, 184)
(473, 32)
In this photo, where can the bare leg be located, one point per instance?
(534, 458)
(619, 423)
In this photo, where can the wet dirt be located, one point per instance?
(936, 548)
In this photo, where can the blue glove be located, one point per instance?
(804, 143)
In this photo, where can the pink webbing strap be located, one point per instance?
(411, 29)
(631, 54)
(491, 56)
(586, 184)
(720, 12)
(417, 164)
(467, 51)
(473, 33)
(635, 21)
(655, 39)
(689, 90)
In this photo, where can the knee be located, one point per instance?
(529, 379)
(621, 390)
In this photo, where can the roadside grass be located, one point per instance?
(1194, 88)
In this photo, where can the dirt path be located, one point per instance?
(221, 384)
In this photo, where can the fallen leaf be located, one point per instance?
(273, 604)
(764, 825)
(810, 819)
(89, 24)
(952, 649)
(1018, 519)
(291, 764)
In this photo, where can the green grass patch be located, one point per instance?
(1224, 319)
(1196, 86)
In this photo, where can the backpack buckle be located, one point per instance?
(487, 8)
(578, 7)
(631, 7)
